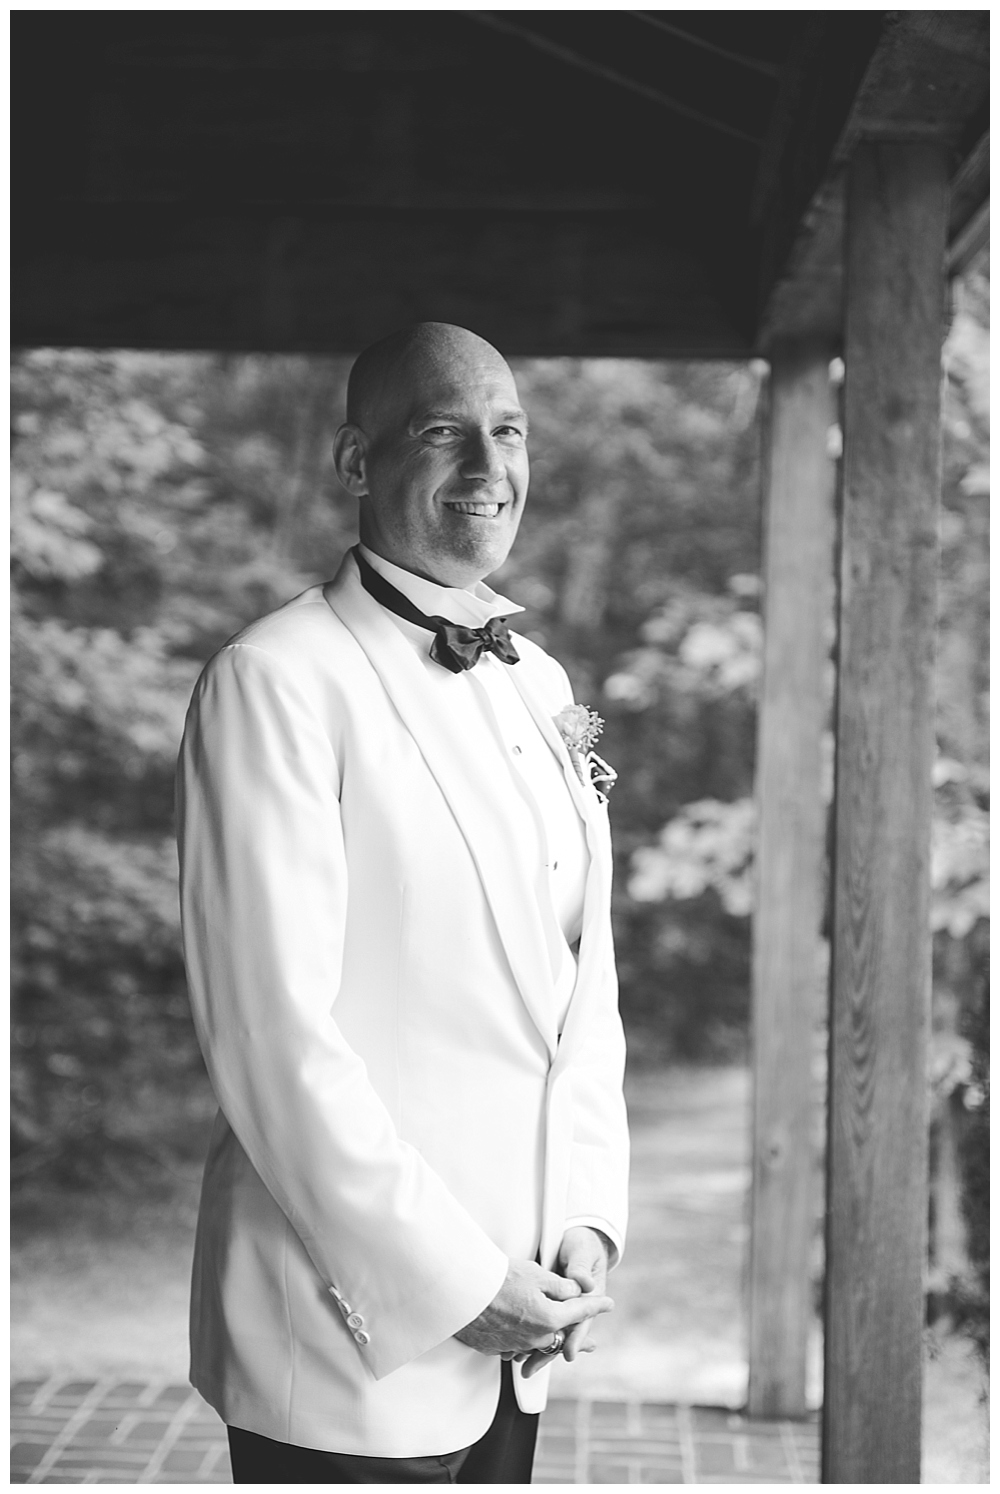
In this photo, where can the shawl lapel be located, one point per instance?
(584, 797)
(597, 890)
(462, 769)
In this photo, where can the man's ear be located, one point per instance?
(350, 448)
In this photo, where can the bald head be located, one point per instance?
(390, 370)
(435, 451)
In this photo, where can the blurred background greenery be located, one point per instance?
(161, 501)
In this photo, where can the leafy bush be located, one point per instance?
(160, 501)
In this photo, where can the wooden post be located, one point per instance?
(794, 709)
(880, 979)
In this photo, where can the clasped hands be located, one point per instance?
(534, 1304)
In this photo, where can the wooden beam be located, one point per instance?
(828, 59)
(970, 186)
(739, 59)
(926, 78)
(574, 58)
(787, 982)
(545, 284)
(897, 210)
(808, 297)
(975, 235)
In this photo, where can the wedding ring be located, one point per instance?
(558, 1339)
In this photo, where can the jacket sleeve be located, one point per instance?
(598, 1179)
(264, 893)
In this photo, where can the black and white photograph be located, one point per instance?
(500, 746)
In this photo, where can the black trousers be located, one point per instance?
(503, 1455)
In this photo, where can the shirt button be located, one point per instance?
(355, 1320)
(362, 1338)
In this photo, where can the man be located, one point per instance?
(395, 886)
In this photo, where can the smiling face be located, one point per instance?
(437, 454)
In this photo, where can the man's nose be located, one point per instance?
(481, 459)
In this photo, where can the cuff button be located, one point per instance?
(362, 1338)
(355, 1320)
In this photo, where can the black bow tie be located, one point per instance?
(455, 646)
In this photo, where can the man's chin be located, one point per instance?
(478, 556)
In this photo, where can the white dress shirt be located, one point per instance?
(548, 819)
(541, 803)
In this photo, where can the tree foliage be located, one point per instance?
(708, 844)
(160, 501)
(638, 556)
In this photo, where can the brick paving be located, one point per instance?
(640, 1442)
(132, 1432)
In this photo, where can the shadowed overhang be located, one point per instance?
(566, 182)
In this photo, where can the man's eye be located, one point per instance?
(438, 430)
(510, 431)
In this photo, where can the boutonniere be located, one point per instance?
(580, 729)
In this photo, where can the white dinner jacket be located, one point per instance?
(372, 990)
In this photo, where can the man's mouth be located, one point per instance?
(480, 510)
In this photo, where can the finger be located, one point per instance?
(534, 1363)
(559, 1288)
(582, 1275)
(576, 1338)
(565, 1314)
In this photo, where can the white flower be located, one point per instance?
(580, 729)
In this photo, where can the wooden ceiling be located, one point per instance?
(572, 182)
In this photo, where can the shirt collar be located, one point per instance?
(474, 607)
